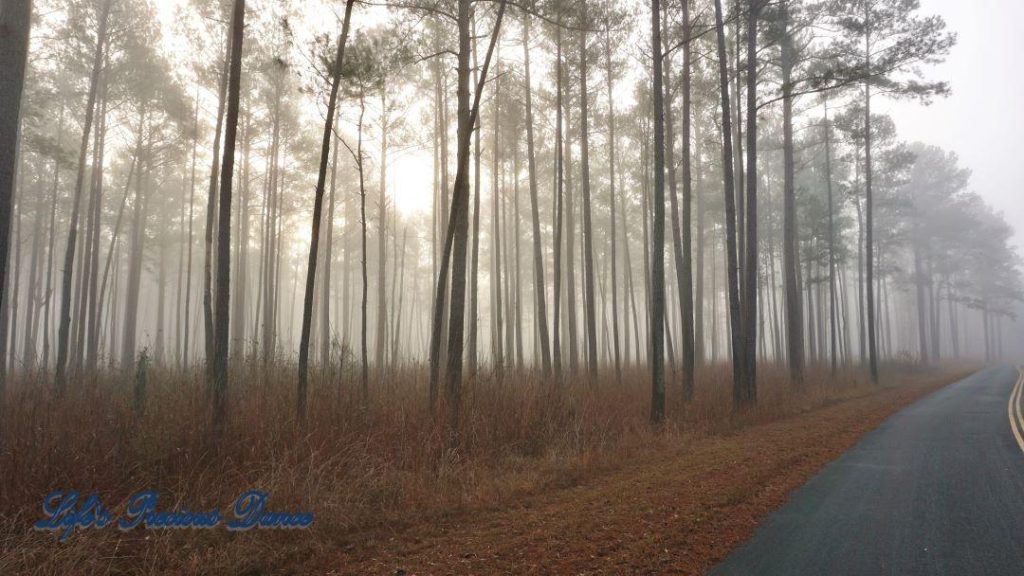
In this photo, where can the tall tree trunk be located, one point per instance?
(186, 314)
(63, 331)
(559, 200)
(474, 266)
(496, 347)
(138, 238)
(211, 211)
(223, 294)
(686, 282)
(325, 151)
(611, 200)
(397, 309)
(588, 230)
(569, 233)
(116, 231)
(325, 305)
(869, 236)
(657, 316)
(454, 251)
(746, 393)
(382, 230)
(158, 342)
(790, 257)
(736, 328)
(699, 344)
(270, 267)
(32, 297)
(831, 245)
(364, 349)
(90, 321)
(242, 248)
(9, 339)
(15, 22)
(538, 262)
(51, 233)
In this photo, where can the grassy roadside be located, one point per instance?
(552, 480)
(676, 510)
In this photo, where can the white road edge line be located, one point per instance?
(1013, 410)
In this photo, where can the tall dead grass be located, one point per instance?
(363, 466)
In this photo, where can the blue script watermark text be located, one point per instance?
(65, 511)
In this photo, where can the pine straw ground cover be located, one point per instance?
(390, 493)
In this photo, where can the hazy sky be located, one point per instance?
(983, 120)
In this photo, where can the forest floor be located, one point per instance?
(543, 481)
(678, 510)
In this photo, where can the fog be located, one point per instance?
(556, 266)
(982, 120)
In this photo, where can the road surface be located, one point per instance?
(936, 489)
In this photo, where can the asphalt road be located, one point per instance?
(937, 489)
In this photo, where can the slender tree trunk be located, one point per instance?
(454, 252)
(382, 229)
(90, 322)
(730, 210)
(686, 283)
(138, 238)
(831, 245)
(270, 267)
(325, 151)
(538, 262)
(474, 267)
(698, 274)
(158, 342)
(32, 297)
(869, 236)
(242, 249)
(15, 22)
(134, 167)
(397, 332)
(746, 393)
(364, 349)
(63, 331)
(588, 230)
(51, 232)
(9, 338)
(657, 317)
(223, 294)
(790, 257)
(609, 76)
(569, 232)
(188, 266)
(211, 211)
(325, 305)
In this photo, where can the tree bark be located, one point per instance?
(657, 317)
(736, 327)
(746, 393)
(325, 151)
(609, 77)
(790, 259)
(454, 251)
(211, 211)
(686, 283)
(223, 294)
(63, 330)
(833, 320)
(538, 262)
(588, 230)
(869, 236)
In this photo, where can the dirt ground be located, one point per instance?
(678, 513)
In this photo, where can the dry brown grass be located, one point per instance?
(364, 468)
